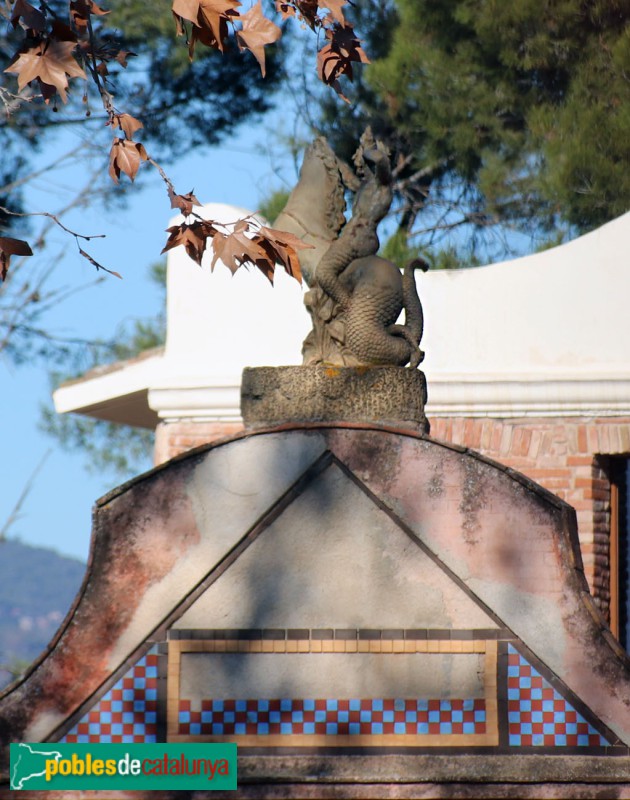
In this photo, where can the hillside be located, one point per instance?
(37, 587)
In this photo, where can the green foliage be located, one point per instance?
(399, 249)
(105, 446)
(511, 113)
(452, 258)
(271, 206)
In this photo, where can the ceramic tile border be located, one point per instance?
(385, 646)
(555, 683)
(340, 633)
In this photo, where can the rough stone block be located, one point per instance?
(384, 395)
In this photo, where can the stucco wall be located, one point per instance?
(563, 455)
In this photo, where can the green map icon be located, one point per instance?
(28, 761)
(111, 766)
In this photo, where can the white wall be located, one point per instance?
(219, 323)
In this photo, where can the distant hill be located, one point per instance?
(37, 587)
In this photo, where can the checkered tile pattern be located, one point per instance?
(538, 715)
(332, 717)
(127, 713)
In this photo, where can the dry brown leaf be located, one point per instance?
(260, 246)
(128, 124)
(11, 247)
(125, 156)
(308, 11)
(61, 32)
(206, 37)
(336, 58)
(100, 12)
(50, 62)
(48, 92)
(186, 9)
(334, 7)
(268, 265)
(285, 10)
(244, 224)
(32, 18)
(214, 16)
(235, 249)
(184, 202)
(209, 19)
(80, 11)
(122, 56)
(257, 32)
(286, 246)
(193, 237)
(247, 243)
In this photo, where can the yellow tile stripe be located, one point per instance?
(489, 647)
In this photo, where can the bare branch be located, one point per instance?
(57, 162)
(97, 265)
(19, 504)
(55, 219)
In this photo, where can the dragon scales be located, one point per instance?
(355, 296)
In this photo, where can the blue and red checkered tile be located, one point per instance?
(127, 713)
(330, 717)
(538, 715)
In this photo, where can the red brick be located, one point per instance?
(596, 494)
(593, 440)
(457, 436)
(547, 442)
(582, 505)
(559, 472)
(506, 440)
(177, 437)
(534, 446)
(496, 437)
(558, 483)
(603, 433)
(582, 440)
(487, 429)
(472, 433)
(574, 461)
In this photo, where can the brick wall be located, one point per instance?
(566, 456)
(174, 438)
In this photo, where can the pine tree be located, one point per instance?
(515, 113)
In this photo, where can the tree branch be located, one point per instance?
(14, 515)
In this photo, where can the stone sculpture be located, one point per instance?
(355, 296)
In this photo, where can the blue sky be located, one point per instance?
(57, 510)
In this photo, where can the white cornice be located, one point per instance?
(528, 396)
(219, 402)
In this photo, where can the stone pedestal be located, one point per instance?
(383, 395)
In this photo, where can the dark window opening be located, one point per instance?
(620, 549)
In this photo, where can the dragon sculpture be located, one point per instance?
(355, 296)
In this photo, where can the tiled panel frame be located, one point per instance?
(538, 715)
(127, 712)
(384, 646)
